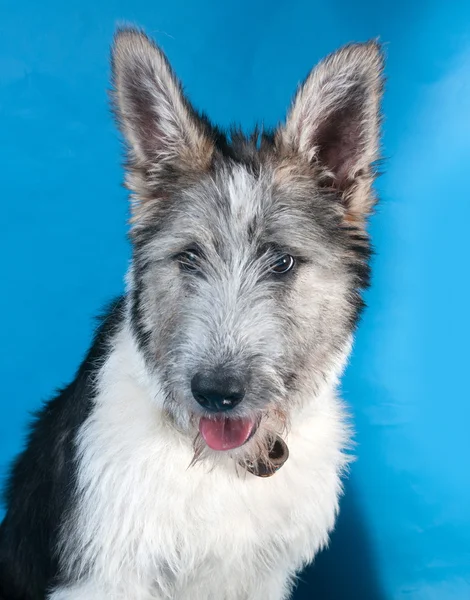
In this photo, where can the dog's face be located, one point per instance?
(249, 254)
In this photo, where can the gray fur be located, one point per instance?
(305, 190)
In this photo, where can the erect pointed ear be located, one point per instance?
(157, 121)
(334, 123)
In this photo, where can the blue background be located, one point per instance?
(404, 531)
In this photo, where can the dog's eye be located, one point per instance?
(189, 260)
(283, 264)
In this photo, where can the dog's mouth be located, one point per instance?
(224, 433)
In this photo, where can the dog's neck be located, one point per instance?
(134, 367)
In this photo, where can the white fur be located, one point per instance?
(150, 527)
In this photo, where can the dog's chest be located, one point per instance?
(144, 515)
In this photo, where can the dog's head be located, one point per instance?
(249, 254)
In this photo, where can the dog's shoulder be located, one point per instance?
(39, 488)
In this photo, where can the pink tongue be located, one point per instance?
(223, 433)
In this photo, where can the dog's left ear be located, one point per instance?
(334, 123)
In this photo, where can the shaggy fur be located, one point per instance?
(117, 495)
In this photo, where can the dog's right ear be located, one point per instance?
(158, 123)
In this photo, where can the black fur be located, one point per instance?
(41, 483)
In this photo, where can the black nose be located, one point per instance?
(217, 391)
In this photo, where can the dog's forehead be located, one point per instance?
(231, 203)
(247, 195)
(242, 209)
(248, 205)
(235, 195)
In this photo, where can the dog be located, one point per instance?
(198, 454)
